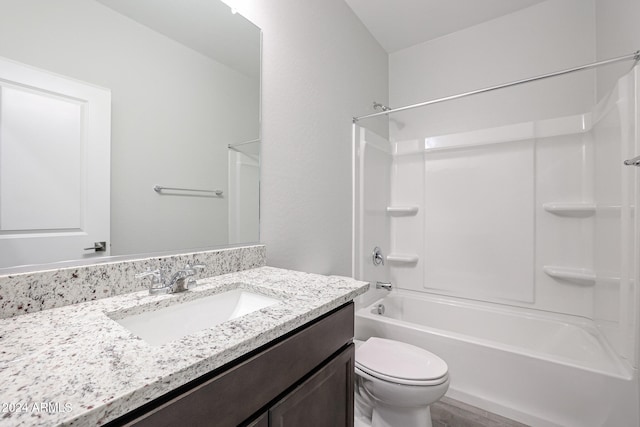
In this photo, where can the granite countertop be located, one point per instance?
(74, 365)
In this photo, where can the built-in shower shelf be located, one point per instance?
(570, 209)
(402, 210)
(613, 208)
(582, 276)
(403, 258)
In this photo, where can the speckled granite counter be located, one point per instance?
(74, 365)
(28, 292)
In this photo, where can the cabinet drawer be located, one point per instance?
(236, 394)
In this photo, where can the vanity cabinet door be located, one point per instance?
(324, 400)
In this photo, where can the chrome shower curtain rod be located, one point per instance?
(635, 56)
(238, 144)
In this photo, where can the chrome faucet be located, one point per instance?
(179, 282)
(384, 285)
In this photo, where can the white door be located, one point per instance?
(54, 167)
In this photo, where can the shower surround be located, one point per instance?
(533, 217)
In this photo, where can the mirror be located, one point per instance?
(183, 78)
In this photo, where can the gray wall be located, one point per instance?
(321, 67)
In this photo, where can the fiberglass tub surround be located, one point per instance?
(509, 240)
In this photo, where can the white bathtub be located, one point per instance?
(539, 369)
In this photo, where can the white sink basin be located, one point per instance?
(179, 320)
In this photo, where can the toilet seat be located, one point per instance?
(400, 363)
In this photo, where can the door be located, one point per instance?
(54, 167)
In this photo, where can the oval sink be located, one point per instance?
(179, 320)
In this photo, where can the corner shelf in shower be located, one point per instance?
(403, 258)
(570, 209)
(402, 210)
(581, 276)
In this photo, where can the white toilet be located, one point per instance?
(396, 382)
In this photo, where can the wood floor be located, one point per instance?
(452, 413)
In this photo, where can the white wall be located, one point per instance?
(617, 34)
(321, 67)
(173, 91)
(546, 37)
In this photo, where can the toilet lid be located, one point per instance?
(399, 362)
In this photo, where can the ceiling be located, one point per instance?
(209, 27)
(398, 24)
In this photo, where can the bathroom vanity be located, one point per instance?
(287, 364)
(303, 379)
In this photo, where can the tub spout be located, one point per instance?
(384, 285)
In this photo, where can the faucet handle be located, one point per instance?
(377, 256)
(156, 276)
(193, 269)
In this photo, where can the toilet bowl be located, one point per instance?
(396, 382)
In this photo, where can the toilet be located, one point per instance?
(395, 383)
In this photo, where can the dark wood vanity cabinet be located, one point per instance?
(302, 379)
(325, 399)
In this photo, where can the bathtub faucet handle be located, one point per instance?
(377, 256)
(384, 285)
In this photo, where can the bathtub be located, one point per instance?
(537, 368)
